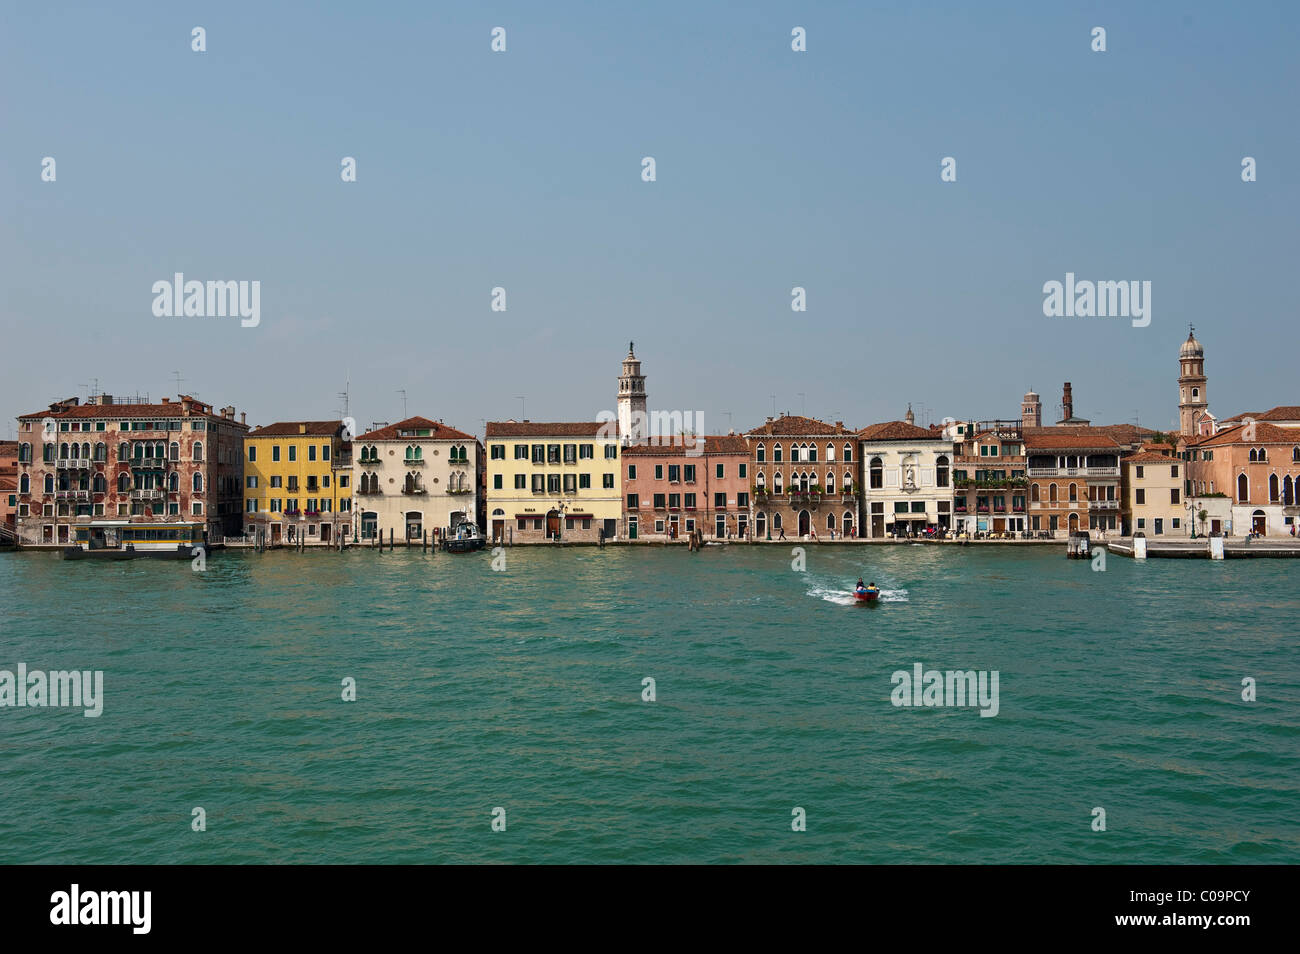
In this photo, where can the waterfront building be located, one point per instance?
(1074, 479)
(806, 476)
(298, 483)
(990, 484)
(1153, 493)
(415, 478)
(1248, 474)
(553, 481)
(106, 464)
(675, 487)
(8, 489)
(906, 478)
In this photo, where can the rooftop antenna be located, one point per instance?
(345, 395)
(93, 387)
(520, 399)
(729, 428)
(179, 379)
(402, 392)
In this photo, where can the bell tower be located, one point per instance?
(633, 424)
(1192, 399)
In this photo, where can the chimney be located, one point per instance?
(167, 400)
(185, 405)
(302, 428)
(242, 416)
(1067, 403)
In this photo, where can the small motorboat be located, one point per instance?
(866, 594)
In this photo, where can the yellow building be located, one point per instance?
(298, 483)
(1153, 494)
(553, 482)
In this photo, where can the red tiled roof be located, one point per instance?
(114, 411)
(1060, 438)
(297, 428)
(437, 431)
(1283, 412)
(1264, 434)
(1150, 457)
(896, 431)
(561, 429)
(793, 425)
(713, 446)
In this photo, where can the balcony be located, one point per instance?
(1074, 472)
(72, 495)
(75, 463)
(413, 461)
(152, 493)
(412, 491)
(1103, 504)
(368, 491)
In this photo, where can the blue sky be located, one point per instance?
(522, 170)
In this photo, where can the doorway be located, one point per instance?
(553, 525)
(805, 523)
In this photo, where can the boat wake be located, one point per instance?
(841, 594)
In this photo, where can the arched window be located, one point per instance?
(848, 522)
(830, 522)
(848, 453)
(776, 482)
(174, 451)
(941, 472)
(123, 483)
(877, 471)
(101, 451)
(760, 524)
(174, 482)
(25, 453)
(1033, 493)
(760, 481)
(1051, 493)
(123, 451)
(1295, 453)
(85, 451)
(760, 454)
(776, 521)
(63, 452)
(1263, 454)
(830, 452)
(830, 483)
(198, 451)
(1288, 491)
(848, 482)
(1074, 492)
(1196, 393)
(49, 483)
(24, 484)
(1274, 488)
(1243, 488)
(198, 483)
(776, 453)
(810, 452)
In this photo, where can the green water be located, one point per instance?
(522, 689)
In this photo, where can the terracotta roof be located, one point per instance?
(114, 411)
(1121, 433)
(896, 431)
(792, 425)
(713, 445)
(438, 431)
(8, 447)
(297, 428)
(1150, 457)
(1283, 412)
(1061, 438)
(562, 429)
(1264, 434)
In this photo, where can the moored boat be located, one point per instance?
(465, 537)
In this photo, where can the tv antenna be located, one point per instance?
(402, 392)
